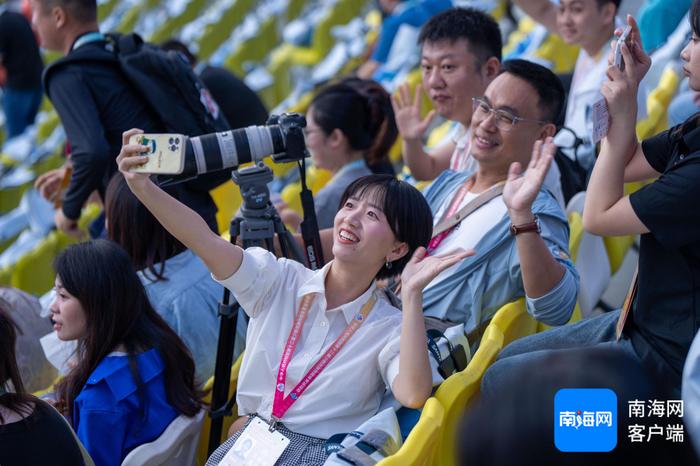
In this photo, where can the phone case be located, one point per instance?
(166, 155)
(618, 61)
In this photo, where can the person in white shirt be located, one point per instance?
(589, 24)
(299, 318)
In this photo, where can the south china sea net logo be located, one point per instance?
(585, 419)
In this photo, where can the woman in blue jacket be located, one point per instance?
(133, 374)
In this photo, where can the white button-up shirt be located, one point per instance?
(350, 389)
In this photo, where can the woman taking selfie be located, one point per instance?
(323, 346)
(133, 374)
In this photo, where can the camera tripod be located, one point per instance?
(258, 225)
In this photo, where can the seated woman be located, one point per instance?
(350, 129)
(176, 281)
(25, 421)
(322, 346)
(133, 374)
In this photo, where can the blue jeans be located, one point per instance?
(20, 107)
(598, 331)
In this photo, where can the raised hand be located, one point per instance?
(129, 157)
(422, 269)
(407, 113)
(521, 190)
(620, 91)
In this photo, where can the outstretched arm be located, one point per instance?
(221, 257)
(413, 384)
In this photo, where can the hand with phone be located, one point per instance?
(625, 73)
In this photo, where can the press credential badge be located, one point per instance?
(257, 446)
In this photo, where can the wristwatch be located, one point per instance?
(531, 226)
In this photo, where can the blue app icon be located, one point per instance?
(585, 420)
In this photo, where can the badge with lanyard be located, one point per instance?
(262, 444)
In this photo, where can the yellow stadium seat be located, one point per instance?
(420, 448)
(227, 198)
(217, 32)
(34, 272)
(575, 237)
(658, 101)
(287, 55)
(514, 322)
(316, 178)
(228, 420)
(459, 390)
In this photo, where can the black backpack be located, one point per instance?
(166, 83)
(169, 85)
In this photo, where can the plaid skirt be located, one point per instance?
(302, 450)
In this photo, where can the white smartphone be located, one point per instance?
(618, 60)
(166, 153)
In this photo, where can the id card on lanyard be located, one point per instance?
(258, 435)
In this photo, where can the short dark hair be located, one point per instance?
(84, 11)
(406, 210)
(602, 3)
(549, 88)
(476, 27)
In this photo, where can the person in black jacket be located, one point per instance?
(19, 55)
(96, 105)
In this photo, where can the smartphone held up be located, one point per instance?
(166, 153)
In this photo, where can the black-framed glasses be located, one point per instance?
(503, 119)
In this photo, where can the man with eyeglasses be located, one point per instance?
(518, 230)
(460, 56)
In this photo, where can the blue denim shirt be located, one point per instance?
(108, 416)
(481, 284)
(188, 301)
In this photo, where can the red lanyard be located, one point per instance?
(281, 404)
(456, 201)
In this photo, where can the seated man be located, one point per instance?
(520, 236)
(460, 56)
(589, 24)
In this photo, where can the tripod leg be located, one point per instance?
(228, 313)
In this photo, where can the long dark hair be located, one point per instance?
(135, 229)
(17, 400)
(99, 274)
(693, 121)
(362, 110)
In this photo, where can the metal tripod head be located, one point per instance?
(259, 220)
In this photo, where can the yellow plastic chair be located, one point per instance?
(217, 32)
(514, 321)
(228, 420)
(420, 448)
(458, 392)
(552, 49)
(657, 104)
(34, 272)
(287, 55)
